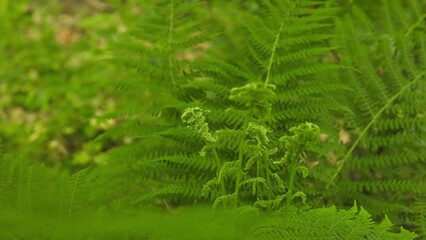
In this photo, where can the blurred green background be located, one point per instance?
(57, 80)
(54, 75)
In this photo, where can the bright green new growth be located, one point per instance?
(312, 106)
(256, 97)
(294, 63)
(304, 137)
(265, 181)
(256, 149)
(195, 119)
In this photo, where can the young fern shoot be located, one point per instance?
(255, 167)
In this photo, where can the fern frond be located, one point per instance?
(420, 211)
(285, 35)
(174, 192)
(385, 118)
(325, 223)
(32, 189)
(387, 160)
(382, 186)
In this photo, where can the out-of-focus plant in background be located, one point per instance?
(53, 68)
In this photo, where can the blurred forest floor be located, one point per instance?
(54, 76)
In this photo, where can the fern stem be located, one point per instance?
(20, 183)
(237, 187)
(418, 23)
(61, 198)
(30, 174)
(238, 180)
(364, 132)
(240, 161)
(268, 176)
(219, 166)
(169, 44)
(259, 167)
(274, 48)
(291, 184)
(74, 190)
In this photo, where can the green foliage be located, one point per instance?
(36, 203)
(237, 96)
(51, 65)
(279, 83)
(326, 223)
(34, 189)
(278, 114)
(386, 117)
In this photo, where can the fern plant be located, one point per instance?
(257, 171)
(34, 189)
(254, 90)
(253, 135)
(326, 223)
(283, 78)
(32, 211)
(384, 162)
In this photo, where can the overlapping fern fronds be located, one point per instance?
(295, 67)
(387, 114)
(278, 82)
(169, 36)
(326, 223)
(158, 55)
(33, 189)
(286, 44)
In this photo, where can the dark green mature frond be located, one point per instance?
(326, 223)
(171, 34)
(287, 56)
(291, 58)
(33, 189)
(295, 103)
(133, 128)
(388, 159)
(393, 185)
(21, 184)
(280, 77)
(420, 214)
(286, 75)
(270, 39)
(74, 194)
(386, 117)
(175, 192)
(379, 208)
